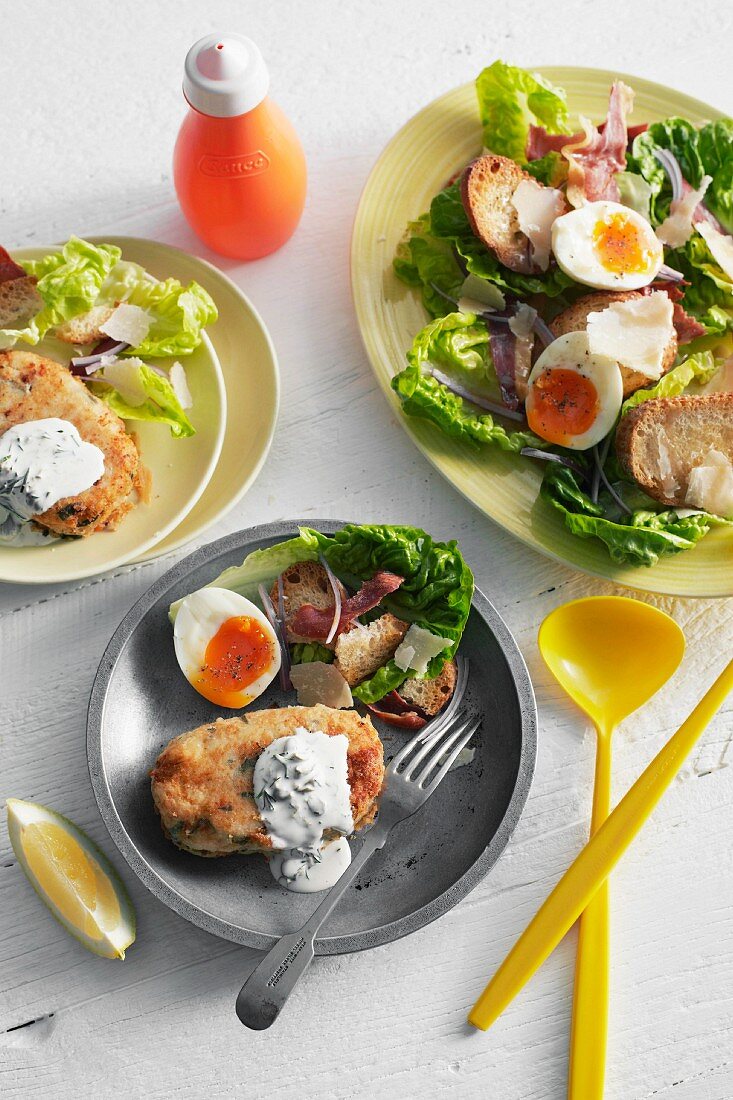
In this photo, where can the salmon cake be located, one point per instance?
(34, 388)
(202, 782)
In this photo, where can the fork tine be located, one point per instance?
(429, 745)
(413, 743)
(464, 735)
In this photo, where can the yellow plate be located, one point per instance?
(415, 165)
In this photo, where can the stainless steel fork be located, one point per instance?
(411, 778)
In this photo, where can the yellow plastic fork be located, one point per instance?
(610, 654)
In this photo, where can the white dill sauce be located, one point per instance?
(301, 790)
(42, 462)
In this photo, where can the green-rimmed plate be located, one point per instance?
(415, 165)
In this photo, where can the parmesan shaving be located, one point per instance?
(719, 244)
(127, 324)
(417, 649)
(317, 682)
(676, 229)
(635, 333)
(710, 486)
(537, 208)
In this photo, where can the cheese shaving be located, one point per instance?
(127, 324)
(635, 333)
(417, 649)
(720, 245)
(710, 486)
(676, 229)
(537, 208)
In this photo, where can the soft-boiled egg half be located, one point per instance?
(608, 246)
(225, 646)
(573, 396)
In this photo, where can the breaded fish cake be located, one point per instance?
(33, 388)
(202, 780)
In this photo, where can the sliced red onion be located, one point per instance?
(543, 330)
(87, 364)
(602, 474)
(598, 466)
(670, 274)
(482, 402)
(671, 166)
(503, 346)
(335, 588)
(550, 456)
(274, 622)
(285, 661)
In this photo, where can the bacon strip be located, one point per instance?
(9, 270)
(598, 156)
(503, 344)
(540, 143)
(316, 622)
(396, 711)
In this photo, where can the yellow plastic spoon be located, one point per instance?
(610, 654)
(596, 861)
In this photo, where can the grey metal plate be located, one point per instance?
(140, 700)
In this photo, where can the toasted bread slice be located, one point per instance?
(364, 649)
(304, 582)
(575, 319)
(662, 440)
(19, 301)
(431, 695)
(85, 329)
(487, 189)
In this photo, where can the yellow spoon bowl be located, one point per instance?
(610, 654)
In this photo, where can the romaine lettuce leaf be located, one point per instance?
(639, 539)
(511, 99)
(696, 368)
(178, 313)
(160, 405)
(69, 281)
(305, 653)
(459, 346)
(709, 297)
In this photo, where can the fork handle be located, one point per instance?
(263, 995)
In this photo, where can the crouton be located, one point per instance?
(364, 649)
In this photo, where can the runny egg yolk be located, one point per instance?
(564, 404)
(620, 246)
(237, 655)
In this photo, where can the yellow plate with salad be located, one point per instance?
(195, 462)
(643, 543)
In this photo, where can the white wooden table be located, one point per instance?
(90, 104)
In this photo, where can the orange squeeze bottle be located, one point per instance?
(238, 166)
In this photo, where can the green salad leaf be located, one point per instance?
(80, 276)
(637, 539)
(159, 403)
(510, 100)
(696, 368)
(305, 653)
(458, 345)
(178, 312)
(69, 281)
(709, 297)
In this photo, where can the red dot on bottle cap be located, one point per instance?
(220, 46)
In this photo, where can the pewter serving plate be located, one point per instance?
(140, 700)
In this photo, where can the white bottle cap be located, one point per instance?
(225, 75)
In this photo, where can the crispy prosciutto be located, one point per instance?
(594, 160)
(9, 270)
(316, 622)
(540, 143)
(396, 711)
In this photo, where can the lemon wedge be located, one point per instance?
(73, 878)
